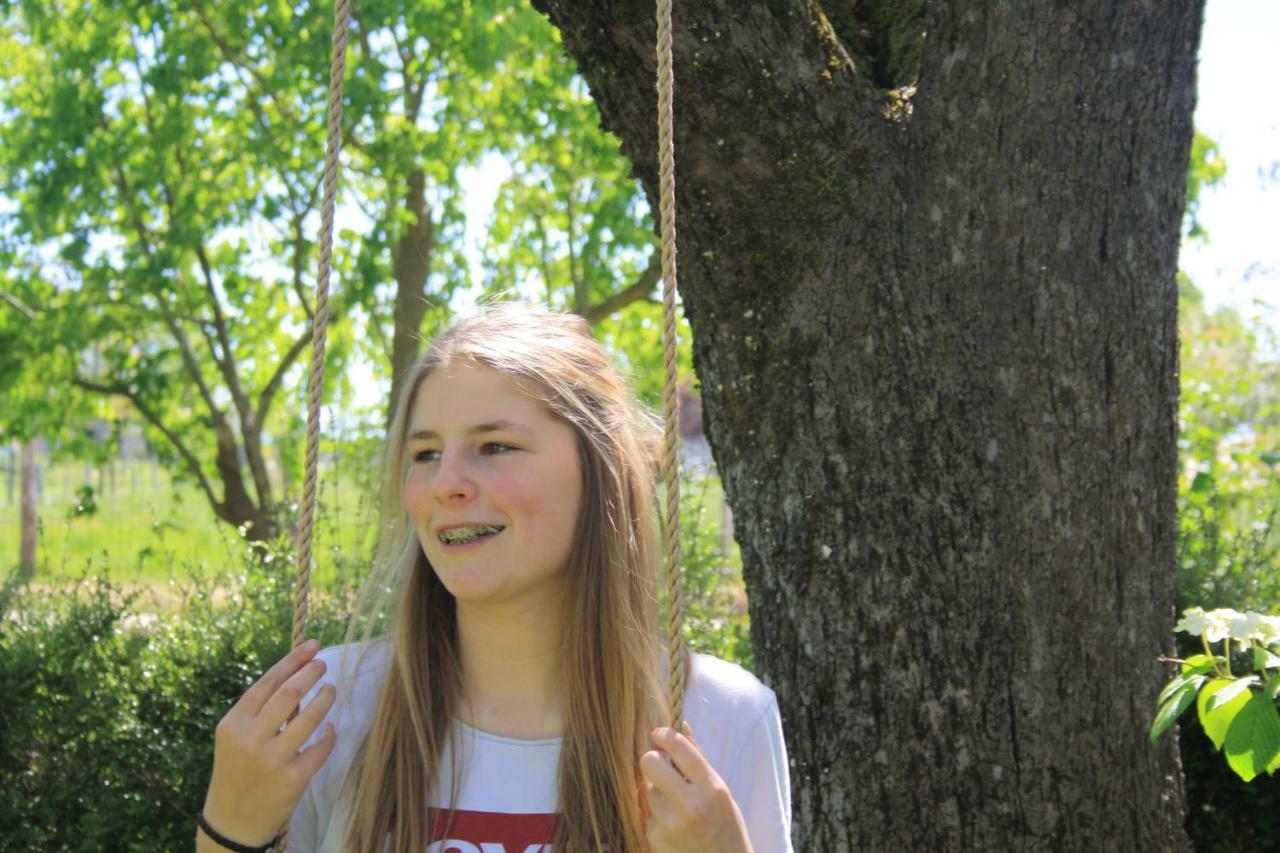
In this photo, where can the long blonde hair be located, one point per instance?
(612, 657)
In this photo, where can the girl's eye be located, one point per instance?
(425, 455)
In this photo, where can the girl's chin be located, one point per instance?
(478, 587)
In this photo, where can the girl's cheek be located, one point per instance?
(415, 494)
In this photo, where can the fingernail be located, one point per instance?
(688, 730)
(310, 646)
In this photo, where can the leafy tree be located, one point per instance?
(143, 168)
(165, 162)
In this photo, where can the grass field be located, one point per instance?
(147, 530)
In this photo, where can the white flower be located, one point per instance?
(1193, 621)
(1268, 629)
(1245, 626)
(1225, 622)
(1218, 624)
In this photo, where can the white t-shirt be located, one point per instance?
(507, 801)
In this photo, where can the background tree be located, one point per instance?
(165, 162)
(930, 272)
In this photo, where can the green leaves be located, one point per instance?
(1240, 721)
(1178, 702)
(1206, 168)
(1218, 721)
(1230, 691)
(163, 160)
(1263, 659)
(1253, 740)
(1189, 675)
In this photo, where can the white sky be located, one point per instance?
(1238, 106)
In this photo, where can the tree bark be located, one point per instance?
(936, 334)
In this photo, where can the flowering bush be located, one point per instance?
(1237, 712)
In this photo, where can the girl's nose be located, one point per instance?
(453, 478)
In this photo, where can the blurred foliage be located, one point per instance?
(1229, 452)
(1206, 168)
(715, 612)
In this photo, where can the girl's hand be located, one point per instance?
(690, 805)
(258, 773)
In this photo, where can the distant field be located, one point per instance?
(146, 530)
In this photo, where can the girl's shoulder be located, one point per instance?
(356, 671)
(723, 687)
(727, 708)
(737, 725)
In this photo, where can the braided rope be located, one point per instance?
(320, 326)
(678, 677)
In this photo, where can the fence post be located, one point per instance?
(27, 556)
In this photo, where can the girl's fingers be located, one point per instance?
(664, 778)
(660, 808)
(297, 731)
(278, 708)
(257, 696)
(688, 759)
(310, 759)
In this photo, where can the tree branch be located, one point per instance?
(272, 386)
(152, 418)
(17, 304)
(641, 289)
(299, 266)
(227, 364)
(188, 359)
(250, 427)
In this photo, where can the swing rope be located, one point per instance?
(678, 675)
(320, 319)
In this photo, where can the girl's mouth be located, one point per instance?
(471, 543)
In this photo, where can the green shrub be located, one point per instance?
(108, 728)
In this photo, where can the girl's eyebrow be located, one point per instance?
(492, 426)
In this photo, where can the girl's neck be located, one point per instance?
(511, 671)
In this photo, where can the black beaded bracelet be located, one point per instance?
(227, 842)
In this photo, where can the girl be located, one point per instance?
(517, 698)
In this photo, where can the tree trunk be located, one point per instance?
(30, 494)
(936, 334)
(412, 259)
(237, 507)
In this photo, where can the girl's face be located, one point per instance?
(482, 452)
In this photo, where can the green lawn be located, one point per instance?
(147, 530)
